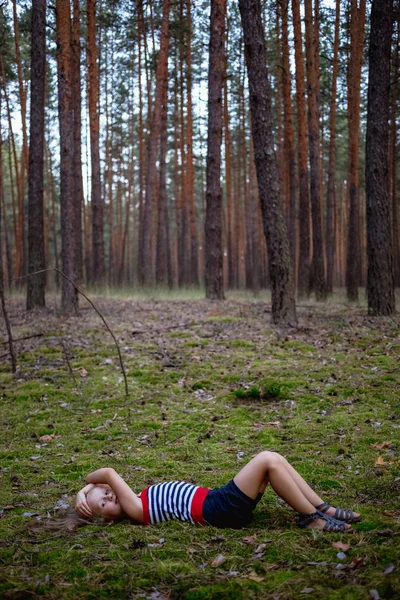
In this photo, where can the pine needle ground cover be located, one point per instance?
(211, 384)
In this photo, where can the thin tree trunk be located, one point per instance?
(288, 133)
(76, 107)
(228, 187)
(194, 254)
(354, 87)
(69, 298)
(380, 288)
(19, 211)
(331, 197)
(163, 259)
(98, 268)
(25, 151)
(283, 304)
(146, 266)
(318, 269)
(214, 280)
(3, 214)
(303, 272)
(36, 256)
(140, 131)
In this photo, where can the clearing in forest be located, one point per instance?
(210, 385)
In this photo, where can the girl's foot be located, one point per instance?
(340, 514)
(321, 525)
(323, 522)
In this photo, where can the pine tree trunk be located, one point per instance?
(69, 299)
(163, 259)
(25, 151)
(318, 269)
(393, 157)
(331, 198)
(283, 304)
(146, 266)
(3, 208)
(36, 256)
(288, 136)
(98, 266)
(76, 107)
(214, 280)
(303, 265)
(194, 254)
(354, 86)
(228, 187)
(380, 288)
(18, 203)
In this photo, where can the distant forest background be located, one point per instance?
(139, 136)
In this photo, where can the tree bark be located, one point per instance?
(36, 256)
(24, 157)
(76, 107)
(380, 287)
(146, 263)
(18, 211)
(331, 197)
(354, 86)
(69, 298)
(214, 281)
(393, 156)
(283, 304)
(288, 136)
(318, 269)
(194, 253)
(98, 265)
(303, 265)
(163, 257)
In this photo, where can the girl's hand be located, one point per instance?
(81, 505)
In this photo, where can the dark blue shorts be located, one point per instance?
(228, 506)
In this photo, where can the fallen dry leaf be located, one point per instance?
(254, 577)
(357, 561)
(47, 437)
(379, 461)
(382, 445)
(82, 372)
(218, 560)
(250, 540)
(260, 548)
(341, 546)
(391, 513)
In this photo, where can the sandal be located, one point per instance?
(331, 524)
(341, 514)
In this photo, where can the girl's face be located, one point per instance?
(104, 502)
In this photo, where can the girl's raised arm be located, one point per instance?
(129, 501)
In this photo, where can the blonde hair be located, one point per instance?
(65, 521)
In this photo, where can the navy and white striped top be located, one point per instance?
(173, 500)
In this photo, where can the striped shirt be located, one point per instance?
(173, 500)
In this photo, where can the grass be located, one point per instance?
(202, 402)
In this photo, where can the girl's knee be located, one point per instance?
(271, 459)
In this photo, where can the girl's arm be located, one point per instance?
(130, 502)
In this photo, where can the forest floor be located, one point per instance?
(210, 385)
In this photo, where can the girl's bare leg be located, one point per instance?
(305, 488)
(270, 466)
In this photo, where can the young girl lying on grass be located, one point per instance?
(232, 505)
